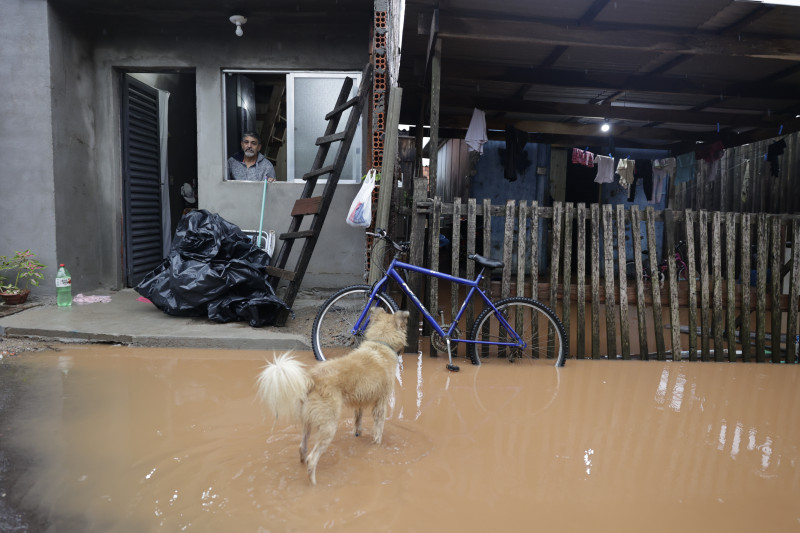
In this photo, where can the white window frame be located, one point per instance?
(291, 76)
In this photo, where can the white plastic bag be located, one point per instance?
(360, 213)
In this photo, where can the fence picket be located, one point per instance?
(691, 275)
(641, 308)
(761, 285)
(730, 259)
(792, 338)
(716, 263)
(608, 275)
(580, 328)
(455, 254)
(777, 282)
(595, 277)
(508, 247)
(522, 239)
(672, 270)
(567, 291)
(624, 328)
(704, 294)
(744, 328)
(652, 247)
(472, 209)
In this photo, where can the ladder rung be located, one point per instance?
(319, 172)
(307, 206)
(298, 235)
(280, 273)
(327, 139)
(348, 104)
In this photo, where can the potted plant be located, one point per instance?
(25, 271)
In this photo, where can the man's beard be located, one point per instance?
(249, 152)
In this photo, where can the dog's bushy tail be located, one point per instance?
(283, 385)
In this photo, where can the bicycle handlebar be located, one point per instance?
(381, 234)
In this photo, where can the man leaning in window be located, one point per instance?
(250, 164)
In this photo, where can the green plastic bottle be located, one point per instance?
(63, 287)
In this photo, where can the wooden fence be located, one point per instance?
(739, 300)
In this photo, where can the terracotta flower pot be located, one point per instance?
(15, 299)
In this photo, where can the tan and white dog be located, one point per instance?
(362, 379)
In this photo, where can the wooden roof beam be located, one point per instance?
(631, 37)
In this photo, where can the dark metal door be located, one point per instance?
(141, 179)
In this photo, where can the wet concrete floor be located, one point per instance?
(119, 439)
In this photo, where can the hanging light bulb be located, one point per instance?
(605, 127)
(238, 20)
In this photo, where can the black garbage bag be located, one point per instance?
(213, 269)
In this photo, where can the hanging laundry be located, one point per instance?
(745, 182)
(605, 169)
(685, 168)
(476, 133)
(773, 151)
(625, 171)
(710, 153)
(643, 170)
(662, 170)
(583, 157)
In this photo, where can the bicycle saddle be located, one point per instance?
(485, 262)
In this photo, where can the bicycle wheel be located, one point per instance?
(331, 334)
(538, 326)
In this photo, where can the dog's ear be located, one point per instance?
(401, 319)
(377, 311)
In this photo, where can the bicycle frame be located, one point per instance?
(392, 273)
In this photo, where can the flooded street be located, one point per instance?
(120, 439)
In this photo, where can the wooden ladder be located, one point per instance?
(317, 206)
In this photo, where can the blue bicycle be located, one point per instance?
(536, 333)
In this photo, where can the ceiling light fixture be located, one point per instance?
(238, 20)
(605, 127)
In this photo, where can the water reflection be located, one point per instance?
(126, 439)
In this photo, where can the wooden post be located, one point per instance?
(387, 181)
(435, 227)
(436, 80)
(417, 253)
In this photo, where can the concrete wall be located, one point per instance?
(27, 211)
(76, 180)
(61, 178)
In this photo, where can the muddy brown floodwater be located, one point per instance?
(119, 439)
